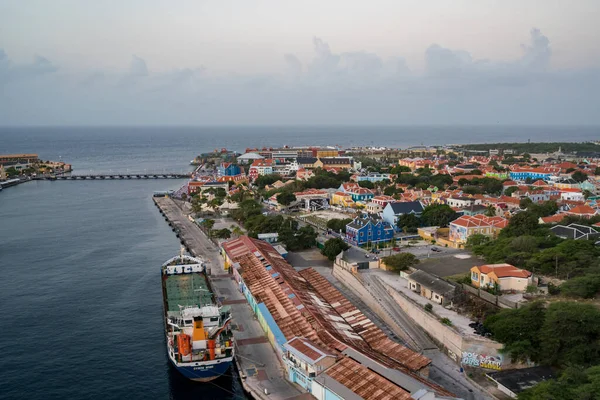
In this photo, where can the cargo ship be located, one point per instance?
(198, 335)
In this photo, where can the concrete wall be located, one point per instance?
(463, 349)
(499, 301)
(443, 334)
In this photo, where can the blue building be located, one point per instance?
(393, 211)
(304, 360)
(368, 228)
(228, 169)
(374, 177)
(534, 174)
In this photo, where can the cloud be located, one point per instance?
(138, 67)
(347, 87)
(443, 61)
(537, 53)
(10, 72)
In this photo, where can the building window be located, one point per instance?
(474, 276)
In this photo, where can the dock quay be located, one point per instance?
(261, 371)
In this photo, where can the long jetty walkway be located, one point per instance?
(261, 370)
(84, 177)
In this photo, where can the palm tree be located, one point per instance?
(490, 211)
(236, 230)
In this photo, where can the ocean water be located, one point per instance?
(80, 295)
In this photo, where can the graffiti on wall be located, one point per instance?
(473, 359)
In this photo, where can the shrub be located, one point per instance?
(428, 307)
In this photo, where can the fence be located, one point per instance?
(499, 301)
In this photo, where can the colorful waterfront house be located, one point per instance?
(368, 228)
(393, 211)
(228, 169)
(356, 192)
(505, 277)
(304, 360)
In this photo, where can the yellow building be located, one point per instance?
(342, 199)
(504, 276)
(327, 153)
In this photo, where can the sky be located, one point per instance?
(280, 62)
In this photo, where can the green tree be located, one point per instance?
(585, 287)
(525, 202)
(265, 180)
(544, 209)
(490, 211)
(579, 176)
(570, 335)
(337, 225)
(333, 247)
(236, 230)
(438, 215)
(11, 172)
(519, 331)
(392, 190)
(477, 240)
(401, 168)
(401, 261)
(297, 239)
(208, 224)
(215, 203)
(286, 198)
(248, 208)
(523, 223)
(597, 171)
(366, 184)
(221, 233)
(510, 190)
(409, 222)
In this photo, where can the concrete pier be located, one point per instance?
(261, 370)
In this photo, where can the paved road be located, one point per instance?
(255, 355)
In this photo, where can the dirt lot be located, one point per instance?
(308, 258)
(448, 266)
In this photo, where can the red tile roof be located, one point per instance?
(553, 219)
(582, 210)
(504, 271)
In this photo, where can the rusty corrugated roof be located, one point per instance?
(364, 382)
(304, 304)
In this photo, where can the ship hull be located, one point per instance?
(203, 372)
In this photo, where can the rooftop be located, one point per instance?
(517, 380)
(432, 282)
(504, 270)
